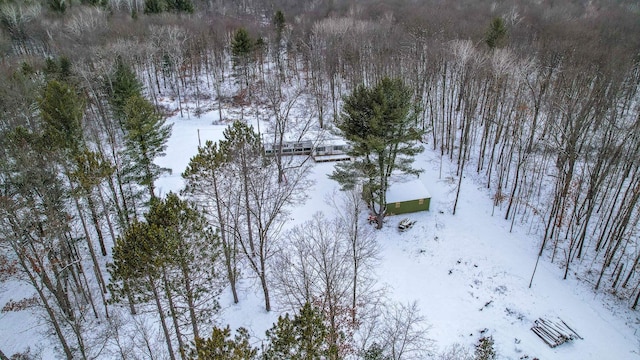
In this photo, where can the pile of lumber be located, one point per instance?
(554, 332)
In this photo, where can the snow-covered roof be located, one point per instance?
(316, 136)
(406, 191)
(332, 142)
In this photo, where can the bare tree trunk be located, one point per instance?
(631, 271)
(45, 303)
(521, 159)
(96, 224)
(107, 216)
(130, 300)
(265, 287)
(635, 302)
(189, 291)
(462, 158)
(260, 269)
(163, 321)
(228, 249)
(173, 312)
(245, 182)
(94, 258)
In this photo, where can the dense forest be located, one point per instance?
(540, 98)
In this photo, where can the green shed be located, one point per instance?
(407, 197)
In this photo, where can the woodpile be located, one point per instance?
(554, 332)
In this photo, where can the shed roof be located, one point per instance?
(406, 191)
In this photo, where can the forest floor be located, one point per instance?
(468, 272)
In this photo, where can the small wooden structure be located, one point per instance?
(407, 197)
(554, 332)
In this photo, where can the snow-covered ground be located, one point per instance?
(468, 273)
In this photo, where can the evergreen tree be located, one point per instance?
(193, 252)
(243, 155)
(139, 256)
(36, 229)
(170, 257)
(375, 352)
(58, 5)
(90, 171)
(65, 68)
(59, 69)
(102, 3)
(220, 346)
(154, 6)
(120, 87)
(207, 182)
(242, 45)
(242, 49)
(159, 6)
(496, 35)
(185, 6)
(145, 139)
(302, 338)
(279, 23)
(62, 109)
(124, 84)
(380, 125)
(50, 67)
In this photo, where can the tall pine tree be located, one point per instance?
(139, 256)
(91, 170)
(145, 140)
(185, 6)
(496, 35)
(242, 51)
(170, 259)
(35, 228)
(123, 85)
(380, 125)
(62, 109)
(193, 250)
(208, 183)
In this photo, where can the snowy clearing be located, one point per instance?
(469, 274)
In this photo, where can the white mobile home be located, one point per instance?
(304, 147)
(331, 150)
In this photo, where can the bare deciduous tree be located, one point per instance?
(396, 331)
